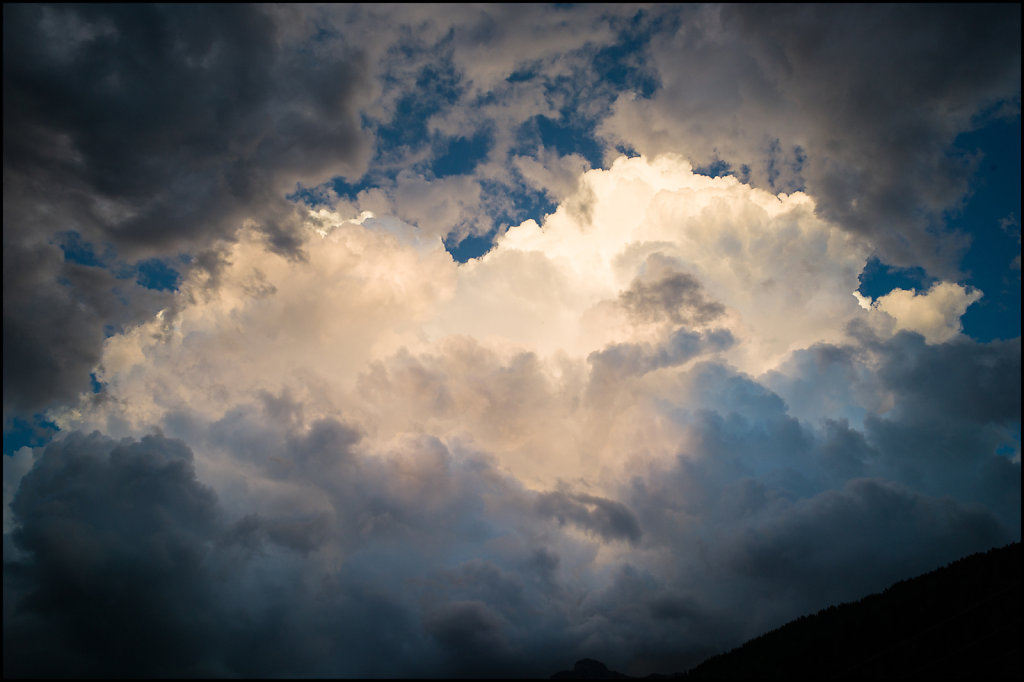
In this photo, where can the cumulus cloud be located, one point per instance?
(935, 313)
(330, 330)
(56, 315)
(642, 427)
(497, 470)
(280, 99)
(174, 122)
(102, 524)
(154, 132)
(837, 102)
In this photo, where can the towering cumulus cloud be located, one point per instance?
(391, 341)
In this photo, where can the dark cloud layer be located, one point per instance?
(116, 538)
(154, 130)
(124, 564)
(56, 316)
(605, 518)
(450, 567)
(165, 126)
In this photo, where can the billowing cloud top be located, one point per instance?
(662, 408)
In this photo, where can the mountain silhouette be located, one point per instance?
(589, 669)
(962, 621)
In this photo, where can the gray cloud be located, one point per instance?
(826, 543)
(607, 519)
(115, 537)
(175, 122)
(620, 360)
(839, 100)
(763, 513)
(979, 382)
(664, 293)
(56, 316)
(471, 635)
(932, 417)
(451, 567)
(153, 131)
(124, 564)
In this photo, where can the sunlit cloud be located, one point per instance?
(712, 345)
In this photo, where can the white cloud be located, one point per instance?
(935, 314)
(535, 353)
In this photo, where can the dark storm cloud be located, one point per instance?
(124, 564)
(955, 406)
(115, 538)
(471, 635)
(975, 381)
(768, 517)
(894, 100)
(842, 543)
(181, 117)
(857, 104)
(450, 567)
(932, 417)
(605, 518)
(302, 533)
(749, 550)
(154, 130)
(56, 316)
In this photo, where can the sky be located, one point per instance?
(472, 340)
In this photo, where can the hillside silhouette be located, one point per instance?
(962, 621)
(957, 622)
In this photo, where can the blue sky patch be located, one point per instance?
(878, 279)
(77, 250)
(462, 155)
(156, 274)
(32, 432)
(469, 247)
(991, 216)
(715, 169)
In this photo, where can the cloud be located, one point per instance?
(379, 323)
(152, 131)
(56, 316)
(655, 414)
(15, 467)
(287, 98)
(774, 90)
(285, 117)
(317, 523)
(606, 518)
(115, 536)
(935, 314)
(564, 375)
(820, 541)
(664, 293)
